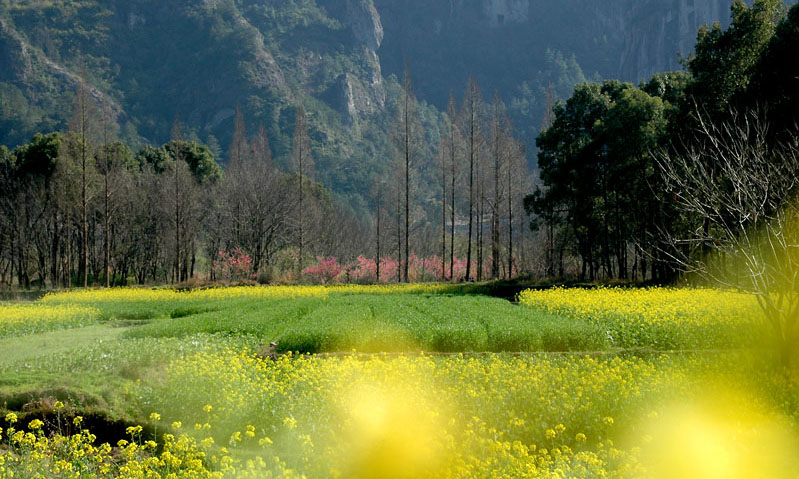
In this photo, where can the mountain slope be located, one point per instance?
(153, 61)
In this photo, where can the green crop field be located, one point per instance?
(405, 381)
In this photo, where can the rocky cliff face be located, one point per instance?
(654, 36)
(357, 96)
(502, 41)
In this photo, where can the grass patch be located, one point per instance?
(35, 346)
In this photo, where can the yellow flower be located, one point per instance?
(264, 441)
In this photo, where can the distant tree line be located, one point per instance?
(603, 198)
(80, 208)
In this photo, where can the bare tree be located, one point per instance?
(453, 138)
(302, 162)
(472, 103)
(259, 147)
(256, 200)
(378, 193)
(398, 197)
(82, 126)
(480, 181)
(442, 163)
(178, 163)
(516, 169)
(107, 165)
(407, 140)
(741, 193)
(502, 144)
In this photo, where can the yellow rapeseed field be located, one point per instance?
(230, 413)
(666, 317)
(226, 293)
(27, 318)
(463, 417)
(648, 305)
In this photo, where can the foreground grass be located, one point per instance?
(34, 347)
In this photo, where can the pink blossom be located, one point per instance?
(325, 271)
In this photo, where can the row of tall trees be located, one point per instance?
(604, 198)
(481, 169)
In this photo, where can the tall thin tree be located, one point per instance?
(472, 104)
(408, 114)
(176, 154)
(453, 135)
(515, 169)
(379, 204)
(302, 161)
(106, 166)
(497, 146)
(81, 125)
(442, 158)
(398, 197)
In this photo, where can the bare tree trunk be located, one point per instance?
(84, 200)
(303, 162)
(510, 221)
(471, 104)
(301, 214)
(399, 237)
(377, 235)
(107, 239)
(443, 216)
(176, 271)
(193, 258)
(406, 87)
(495, 206)
(452, 153)
(176, 135)
(54, 249)
(480, 212)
